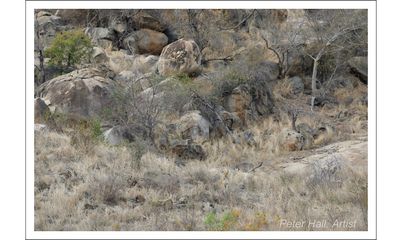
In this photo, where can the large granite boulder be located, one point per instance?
(145, 20)
(181, 56)
(47, 26)
(145, 41)
(82, 93)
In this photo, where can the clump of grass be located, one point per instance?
(106, 187)
(256, 223)
(95, 128)
(183, 78)
(282, 90)
(327, 172)
(226, 222)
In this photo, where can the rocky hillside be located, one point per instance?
(200, 119)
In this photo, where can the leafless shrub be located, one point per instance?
(327, 172)
(137, 109)
(106, 187)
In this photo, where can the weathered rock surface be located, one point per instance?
(181, 56)
(116, 135)
(102, 37)
(353, 154)
(145, 64)
(42, 111)
(296, 85)
(82, 93)
(359, 67)
(145, 41)
(47, 25)
(193, 126)
(137, 80)
(120, 61)
(99, 55)
(262, 100)
(40, 127)
(145, 20)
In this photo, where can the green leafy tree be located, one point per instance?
(69, 48)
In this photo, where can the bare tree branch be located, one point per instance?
(240, 23)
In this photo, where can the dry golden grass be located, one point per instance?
(81, 183)
(94, 186)
(282, 90)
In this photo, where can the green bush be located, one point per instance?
(226, 222)
(95, 127)
(69, 48)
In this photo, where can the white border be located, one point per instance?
(370, 234)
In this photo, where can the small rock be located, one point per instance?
(40, 128)
(296, 84)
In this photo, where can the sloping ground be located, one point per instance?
(352, 154)
(80, 186)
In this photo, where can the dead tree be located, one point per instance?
(284, 41)
(293, 115)
(331, 31)
(39, 48)
(251, 14)
(138, 109)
